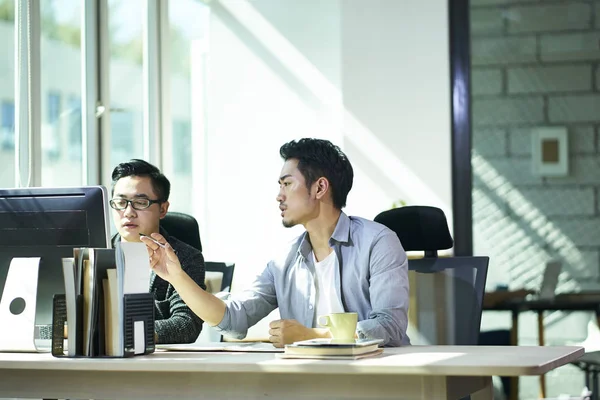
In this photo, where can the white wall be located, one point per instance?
(396, 88)
(372, 77)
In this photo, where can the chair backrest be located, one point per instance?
(446, 299)
(446, 293)
(184, 227)
(222, 270)
(419, 228)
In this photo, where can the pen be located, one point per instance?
(154, 240)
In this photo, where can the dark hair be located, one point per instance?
(320, 158)
(136, 167)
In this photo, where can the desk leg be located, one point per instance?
(541, 342)
(514, 341)
(594, 386)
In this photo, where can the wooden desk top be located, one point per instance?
(493, 299)
(410, 360)
(517, 301)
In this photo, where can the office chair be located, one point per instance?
(226, 269)
(446, 293)
(184, 227)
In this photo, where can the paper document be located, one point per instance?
(251, 347)
(133, 261)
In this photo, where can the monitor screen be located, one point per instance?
(49, 223)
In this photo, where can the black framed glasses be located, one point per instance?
(137, 204)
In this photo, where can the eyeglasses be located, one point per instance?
(137, 204)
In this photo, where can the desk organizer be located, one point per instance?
(138, 309)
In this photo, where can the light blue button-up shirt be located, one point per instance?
(372, 279)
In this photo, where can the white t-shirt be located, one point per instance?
(328, 298)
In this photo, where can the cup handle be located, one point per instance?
(323, 320)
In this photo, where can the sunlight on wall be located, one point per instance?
(508, 240)
(410, 188)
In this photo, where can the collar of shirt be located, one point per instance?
(341, 234)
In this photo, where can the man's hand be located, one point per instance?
(163, 260)
(287, 331)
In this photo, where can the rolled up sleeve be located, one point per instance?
(250, 306)
(389, 292)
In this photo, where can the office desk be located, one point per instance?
(590, 364)
(413, 372)
(516, 303)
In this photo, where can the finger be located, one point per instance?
(150, 245)
(275, 332)
(158, 237)
(171, 252)
(275, 340)
(153, 261)
(276, 323)
(148, 248)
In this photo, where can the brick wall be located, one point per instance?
(536, 63)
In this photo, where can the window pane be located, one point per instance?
(188, 26)
(126, 79)
(7, 93)
(61, 92)
(182, 147)
(74, 124)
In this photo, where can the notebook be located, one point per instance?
(331, 348)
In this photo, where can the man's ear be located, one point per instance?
(164, 207)
(322, 187)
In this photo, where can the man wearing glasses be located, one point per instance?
(140, 199)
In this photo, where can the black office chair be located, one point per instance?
(224, 268)
(184, 227)
(446, 293)
(419, 228)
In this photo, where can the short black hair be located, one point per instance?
(320, 158)
(136, 167)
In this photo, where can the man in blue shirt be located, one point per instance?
(340, 264)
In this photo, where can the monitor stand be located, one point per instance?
(18, 306)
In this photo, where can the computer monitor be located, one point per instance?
(49, 223)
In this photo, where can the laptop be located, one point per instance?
(550, 280)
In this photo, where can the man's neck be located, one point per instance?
(320, 231)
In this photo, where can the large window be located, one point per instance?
(60, 80)
(7, 93)
(126, 79)
(188, 33)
